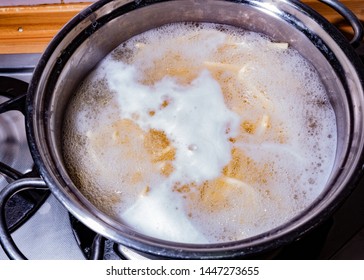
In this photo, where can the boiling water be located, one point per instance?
(201, 133)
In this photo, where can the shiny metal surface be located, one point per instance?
(106, 24)
(13, 142)
(350, 17)
(14, 150)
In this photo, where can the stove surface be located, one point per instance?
(40, 223)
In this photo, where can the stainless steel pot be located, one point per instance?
(97, 30)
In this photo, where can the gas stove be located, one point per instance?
(43, 229)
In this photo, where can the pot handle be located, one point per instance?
(7, 242)
(350, 17)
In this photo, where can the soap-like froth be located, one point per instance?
(191, 117)
(201, 133)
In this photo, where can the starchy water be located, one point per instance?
(201, 133)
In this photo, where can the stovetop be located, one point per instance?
(43, 229)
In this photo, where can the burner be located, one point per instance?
(15, 157)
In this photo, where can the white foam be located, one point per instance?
(211, 92)
(161, 213)
(196, 116)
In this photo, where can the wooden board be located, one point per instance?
(28, 29)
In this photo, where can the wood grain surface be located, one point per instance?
(28, 29)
